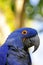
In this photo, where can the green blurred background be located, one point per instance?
(15, 14)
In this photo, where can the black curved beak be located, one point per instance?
(34, 41)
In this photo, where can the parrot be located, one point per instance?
(15, 49)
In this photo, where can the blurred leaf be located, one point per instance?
(5, 7)
(13, 5)
(30, 10)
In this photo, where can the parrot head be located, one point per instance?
(30, 37)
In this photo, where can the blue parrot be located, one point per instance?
(15, 49)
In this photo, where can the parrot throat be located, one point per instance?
(25, 48)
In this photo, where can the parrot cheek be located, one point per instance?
(27, 42)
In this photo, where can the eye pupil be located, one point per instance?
(24, 32)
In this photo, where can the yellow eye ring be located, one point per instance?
(24, 32)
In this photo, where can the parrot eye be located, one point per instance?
(24, 32)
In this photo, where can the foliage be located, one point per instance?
(5, 7)
(32, 10)
(8, 8)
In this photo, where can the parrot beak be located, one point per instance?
(34, 41)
